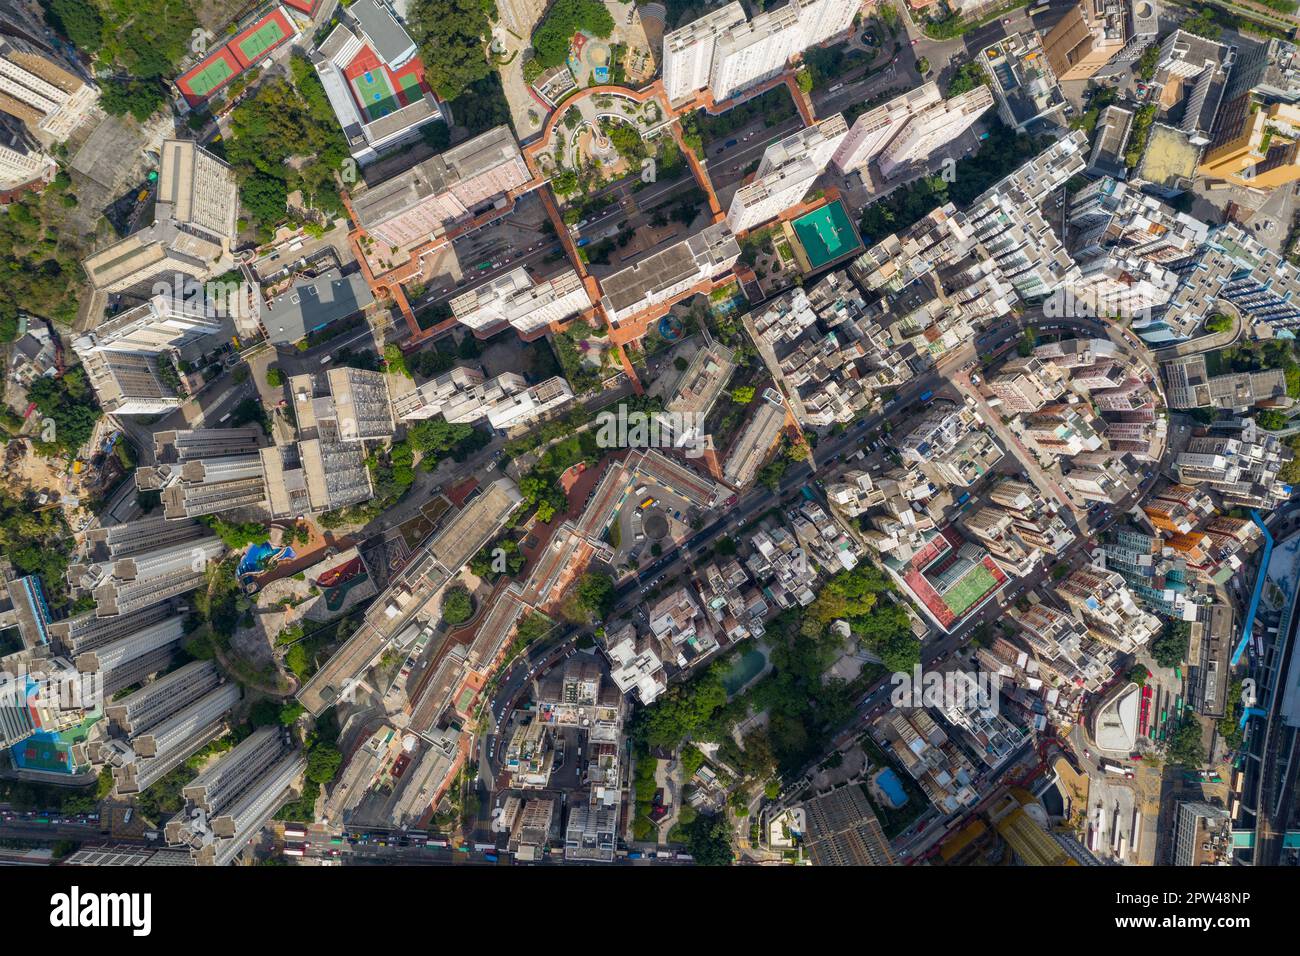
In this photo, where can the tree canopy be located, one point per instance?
(450, 34)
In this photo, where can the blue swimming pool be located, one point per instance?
(888, 781)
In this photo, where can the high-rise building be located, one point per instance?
(163, 323)
(128, 383)
(528, 306)
(786, 173)
(21, 160)
(464, 395)
(1007, 219)
(1202, 835)
(1085, 39)
(205, 470)
(1101, 600)
(724, 53)
(876, 128)
(937, 126)
(1238, 460)
(40, 88)
(1256, 138)
(133, 565)
(235, 797)
(688, 51)
(669, 273)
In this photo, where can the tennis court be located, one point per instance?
(826, 234)
(263, 38)
(210, 75)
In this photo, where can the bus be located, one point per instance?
(647, 503)
(295, 832)
(295, 850)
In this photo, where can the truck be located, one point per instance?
(927, 395)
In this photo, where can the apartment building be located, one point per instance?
(194, 228)
(130, 566)
(786, 173)
(1195, 70)
(514, 299)
(130, 383)
(1238, 460)
(420, 203)
(163, 723)
(1008, 221)
(235, 797)
(41, 89)
(205, 471)
(465, 395)
(22, 161)
(1101, 600)
(636, 663)
(1084, 40)
(1023, 84)
(1254, 142)
(1026, 384)
(336, 413)
(725, 54)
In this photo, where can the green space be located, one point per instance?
(565, 18)
(280, 122)
(139, 38)
(450, 35)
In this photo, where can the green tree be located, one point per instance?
(1169, 649)
(457, 606)
(274, 377)
(742, 394)
(596, 594)
(450, 35)
(709, 840)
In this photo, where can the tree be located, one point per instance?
(596, 594)
(1271, 419)
(805, 80)
(396, 360)
(709, 839)
(236, 535)
(1170, 648)
(141, 98)
(79, 21)
(553, 35)
(967, 76)
(1185, 746)
(457, 606)
(274, 377)
(450, 35)
(742, 394)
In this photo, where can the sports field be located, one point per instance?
(210, 75)
(962, 595)
(255, 42)
(375, 94)
(826, 234)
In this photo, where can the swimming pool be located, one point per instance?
(744, 670)
(892, 787)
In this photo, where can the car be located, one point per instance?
(915, 42)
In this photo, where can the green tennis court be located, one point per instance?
(210, 77)
(264, 38)
(825, 234)
(973, 586)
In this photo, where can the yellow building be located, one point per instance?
(1027, 837)
(1257, 149)
(1085, 39)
